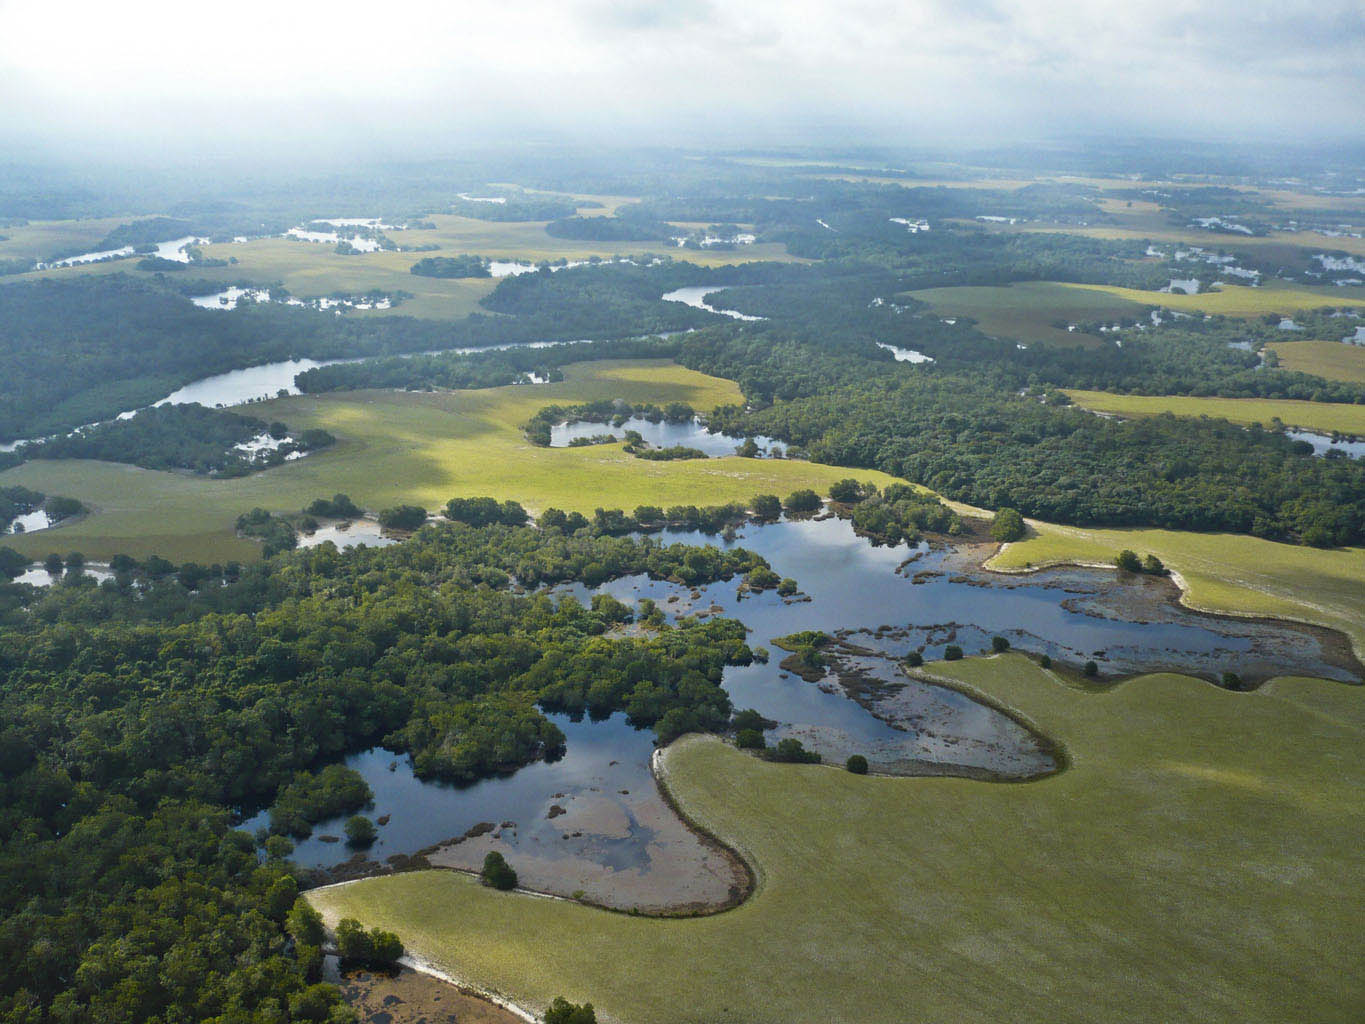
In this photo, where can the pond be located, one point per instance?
(29, 522)
(35, 575)
(593, 823)
(690, 434)
(906, 355)
(1352, 448)
(348, 533)
(696, 298)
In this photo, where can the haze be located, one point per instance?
(409, 73)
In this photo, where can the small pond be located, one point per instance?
(348, 533)
(696, 297)
(1324, 443)
(906, 355)
(691, 434)
(35, 575)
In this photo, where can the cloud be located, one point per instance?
(645, 68)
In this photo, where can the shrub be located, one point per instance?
(999, 644)
(1128, 561)
(952, 653)
(497, 872)
(1045, 661)
(750, 739)
(846, 492)
(767, 506)
(914, 659)
(786, 586)
(792, 751)
(857, 764)
(1007, 526)
(562, 1011)
(1091, 669)
(404, 517)
(305, 923)
(802, 502)
(1232, 681)
(360, 830)
(1152, 566)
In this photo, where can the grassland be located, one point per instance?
(1330, 359)
(1220, 572)
(312, 270)
(412, 448)
(1323, 417)
(1198, 861)
(41, 239)
(1029, 310)
(1236, 300)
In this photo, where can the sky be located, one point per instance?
(176, 73)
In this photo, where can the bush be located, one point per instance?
(360, 830)
(1232, 681)
(1091, 669)
(857, 764)
(802, 502)
(1007, 526)
(305, 923)
(750, 739)
(562, 1011)
(340, 506)
(914, 659)
(767, 507)
(1128, 561)
(846, 492)
(375, 947)
(952, 653)
(58, 507)
(279, 847)
(792, 751)
(1045, 661)
(999, 644)
(1152, 566)
(497, 872)
(786, 586)
(404, 517)
(12, 563)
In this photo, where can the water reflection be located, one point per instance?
(690, 434)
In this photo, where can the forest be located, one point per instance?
(143, 715)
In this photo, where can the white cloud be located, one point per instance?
(981, 66)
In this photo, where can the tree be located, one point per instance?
(497, 872)
(1007, 526)
(404, 517)
(1091, 669)
(952, 653)
(1128, 561)
(12, 563)
(802, 502)
(1152, 566)
(1045, 661)
(767, 507)
(1232, 681)
(914, 659)
(748, 450)
(847, 491)
(353, 941)
(360, 831)
(279, 847)
(305, 923)
(857, 764)
(561, 1011)
(750, 739)
(999, 644)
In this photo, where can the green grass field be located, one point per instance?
(41, 239)
(1236, 300)
(1329, 359)
(1198, 861)
(1324, 417)
(311, 270)
(1221, 572)
(416, 448)
(1027, 311)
